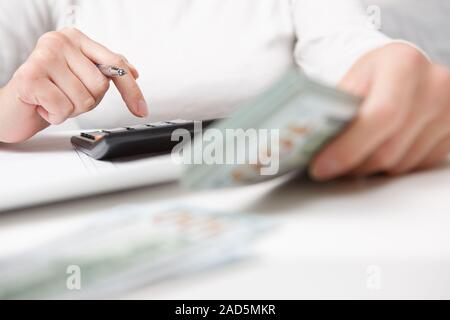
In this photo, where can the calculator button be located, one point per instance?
(94, 136)
(180, 122)
(159, 124)
(119, 130)
(141, 127)
(88, 136)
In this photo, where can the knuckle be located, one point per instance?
(387, 116)
(382, 116)
(91, 106)
(57, 118)
(119, 60)
(65, 112)
(45, 54)
(50, 46)
(54, 39)
(71, 32)
(103, 85)
(65, 108)
(122, 57)
(442, 78)
(87, 105)
(100, 87)
(413, 57)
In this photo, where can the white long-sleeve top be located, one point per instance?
(197, 58)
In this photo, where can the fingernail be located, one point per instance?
(325, 169)
(143, 109)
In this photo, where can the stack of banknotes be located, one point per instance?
(126, 248)
(298, 115)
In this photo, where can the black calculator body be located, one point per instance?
(152, 139)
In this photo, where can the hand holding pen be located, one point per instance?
(66, 75)
(111, 71)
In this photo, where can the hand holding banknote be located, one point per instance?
(401, 124)
(287, 125)
(404, 123)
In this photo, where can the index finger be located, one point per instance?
(131, 93)
(127, 85)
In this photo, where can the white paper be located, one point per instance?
(47, 168)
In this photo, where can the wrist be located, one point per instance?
(18, 122)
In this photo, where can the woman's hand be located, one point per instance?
(59, 81)
(404, 123)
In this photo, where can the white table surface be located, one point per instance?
(331, 241)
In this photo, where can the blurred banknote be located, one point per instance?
(126, 248)
(279, 131)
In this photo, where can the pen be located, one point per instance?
(111, 71)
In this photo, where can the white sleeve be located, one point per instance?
(332, 35)
(22, 22)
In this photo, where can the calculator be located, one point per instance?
(150, 139)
